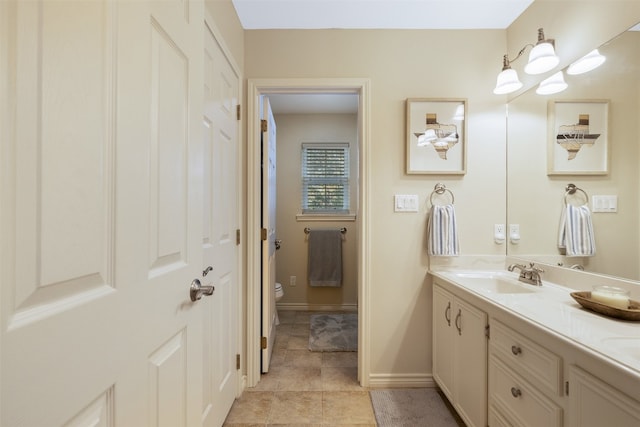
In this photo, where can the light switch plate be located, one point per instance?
(405, 203)
(606, 203)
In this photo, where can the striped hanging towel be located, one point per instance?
(442, 231)
(576, 231)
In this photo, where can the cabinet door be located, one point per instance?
(594, 403)
(470, 361)
(443, 340)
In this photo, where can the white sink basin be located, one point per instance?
(501, 285)
(494, 282)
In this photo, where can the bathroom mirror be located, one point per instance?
(535, 199)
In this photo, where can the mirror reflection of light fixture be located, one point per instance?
(441, 136)
(590, 61)
(426, 138)
(551, 85)
(459, 114)
(542, 58)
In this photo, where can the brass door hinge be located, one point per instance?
(238, 236)
(263, 125)
(487, 331)
(263, 343)
(237, 361)
(263, 234)
(566, 388)
(238, 112)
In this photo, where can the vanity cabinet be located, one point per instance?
(525, 380)
(460, 355)
(595, 403)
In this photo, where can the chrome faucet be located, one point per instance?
(530, 274)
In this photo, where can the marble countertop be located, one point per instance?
(552, 307)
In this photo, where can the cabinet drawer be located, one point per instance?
(537, 364)
(517, 401)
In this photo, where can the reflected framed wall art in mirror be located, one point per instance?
(578, 141)
(436, 136)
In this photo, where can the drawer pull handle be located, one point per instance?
(516, 350)
(447, 314)
(515, 392)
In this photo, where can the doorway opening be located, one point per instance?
(276, 88)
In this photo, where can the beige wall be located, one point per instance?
(401, 65)
(293, 130)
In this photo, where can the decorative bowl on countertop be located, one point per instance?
(630, 313)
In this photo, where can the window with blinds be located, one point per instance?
(325, 178)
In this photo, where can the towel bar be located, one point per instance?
(307, 230)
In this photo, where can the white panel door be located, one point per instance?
(220, 246)
(269, 243)
(101, 213)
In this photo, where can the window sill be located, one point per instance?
(325, 217)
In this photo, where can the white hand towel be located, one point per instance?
(576, 231)
(442, 231)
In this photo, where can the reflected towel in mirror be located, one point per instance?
(576, 231)
(442, 231)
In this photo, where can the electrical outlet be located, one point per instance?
(292, 280)
(498, 233)
(514, 233)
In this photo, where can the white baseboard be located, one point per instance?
(316, 307)
(401, 380)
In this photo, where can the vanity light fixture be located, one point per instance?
(508, 80)
(590, 61)
(551, 85)
(542, 58)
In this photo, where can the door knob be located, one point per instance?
(196, 290)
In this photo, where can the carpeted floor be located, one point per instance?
(424, 407)
(333, 332)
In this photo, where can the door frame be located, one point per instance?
(256, 88)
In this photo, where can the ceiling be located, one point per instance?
(367, 14)
(380, 14)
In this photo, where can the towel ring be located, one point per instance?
(571, 189)
(441, 189)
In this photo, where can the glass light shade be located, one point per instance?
(542, 58)
(587, 63)
(553, 84)
(507, 82)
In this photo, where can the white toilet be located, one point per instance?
(279, 295)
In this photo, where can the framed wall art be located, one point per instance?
(578, 141)
(436, 136)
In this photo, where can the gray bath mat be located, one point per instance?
(423, 407)
(333, 332)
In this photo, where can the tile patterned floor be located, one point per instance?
(304, 388)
